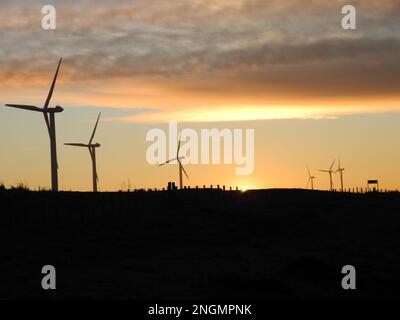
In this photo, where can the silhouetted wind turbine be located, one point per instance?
(340, 170)
(310, 179)
(51, 127)
(181, 168)
(92, 150)
(330, 171)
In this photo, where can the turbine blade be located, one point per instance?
(308, 169)
(76, 144)
(166, 162)
(95, 127)
(46, 119)
(90, 152)
(96, 175)
(179, 147)
(46, 105)
(308, 182)
(92, 157)
(24, 107)
(330, 169)
(183, 169)
(324, 171)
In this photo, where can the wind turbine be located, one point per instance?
(181, 168)
(92, 150)
(340, 170)
(51, 127)
(310, 179)
(330, 171)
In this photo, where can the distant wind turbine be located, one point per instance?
(340, 170)
(51, 127)
(330, 171)
(181, 168)
(92, 150)
(310, 179)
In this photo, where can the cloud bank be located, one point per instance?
(189, 55)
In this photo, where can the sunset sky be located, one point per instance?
(311, 90)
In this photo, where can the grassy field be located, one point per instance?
(200, 244)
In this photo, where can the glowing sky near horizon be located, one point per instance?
(310, 89)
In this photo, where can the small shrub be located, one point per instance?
(20, 187)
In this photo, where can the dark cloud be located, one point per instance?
(259, 46)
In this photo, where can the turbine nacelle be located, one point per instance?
(96, 145)
(58, 109)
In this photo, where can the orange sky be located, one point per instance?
(253, 63)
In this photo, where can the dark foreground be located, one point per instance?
(271, 244)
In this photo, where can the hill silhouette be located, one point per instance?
(199, 244)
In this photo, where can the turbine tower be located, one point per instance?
(340, 170)
(330, 171)
(92, 150)
(310, 179)
(181, 168)
(49, 118)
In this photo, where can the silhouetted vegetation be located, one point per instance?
(44, 189)
(21, 186)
